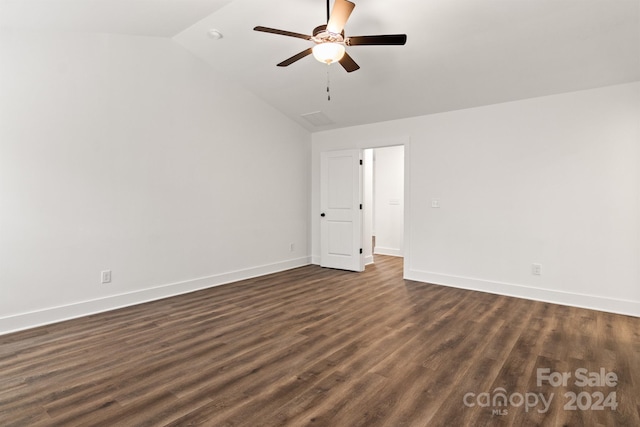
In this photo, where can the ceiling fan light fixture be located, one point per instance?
(328, 52)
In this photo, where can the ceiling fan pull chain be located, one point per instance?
(328, 83)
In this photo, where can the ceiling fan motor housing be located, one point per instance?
(321, 35)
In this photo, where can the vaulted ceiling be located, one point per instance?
(459, 53)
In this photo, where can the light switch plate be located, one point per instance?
(105, 276)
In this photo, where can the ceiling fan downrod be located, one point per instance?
(328, 12)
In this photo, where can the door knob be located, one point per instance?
(322, 214)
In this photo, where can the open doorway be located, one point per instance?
(383, 193)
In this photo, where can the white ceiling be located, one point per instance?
(157, 18)
(459, 53)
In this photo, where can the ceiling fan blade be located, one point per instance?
(387, 39)
(339, 16)
(295, 58)
(348, 63)
(282, 32)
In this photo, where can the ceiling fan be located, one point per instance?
(330, 40)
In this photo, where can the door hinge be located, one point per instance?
(360, 161)
(360, 250)
(360, 206)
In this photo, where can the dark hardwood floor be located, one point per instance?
(321, 347)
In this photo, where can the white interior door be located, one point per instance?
(341, 210)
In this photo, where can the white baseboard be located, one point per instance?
(592, 302)
(387, 251)
(58, 314)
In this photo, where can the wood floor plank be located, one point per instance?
(319, 347)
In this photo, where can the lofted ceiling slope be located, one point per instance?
(459, 53)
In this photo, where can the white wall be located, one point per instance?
(552, 180)
(389, 200)
(129, 154)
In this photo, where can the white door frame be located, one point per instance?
(370, 207)
(363, 144)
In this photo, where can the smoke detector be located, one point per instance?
(215, 34)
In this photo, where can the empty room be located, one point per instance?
(319, 213)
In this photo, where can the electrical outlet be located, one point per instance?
(435, 203)
(536, 269)
(105, 276)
